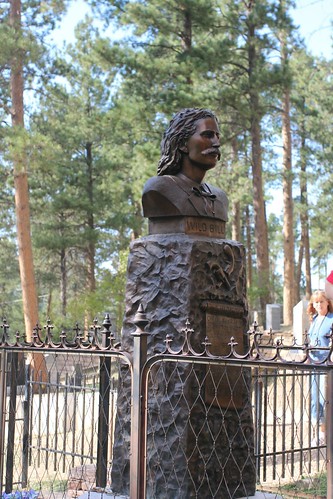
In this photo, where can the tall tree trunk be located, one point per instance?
(236, 219)
(90, 252)
(305, 238)
(186, 37)
(260, 222)
(235, 223)
(91, 280)
(136, 232)
(299, 272)
(28, 283)
(288, 218)
(249, 264)
(49, 304)
(63, 281)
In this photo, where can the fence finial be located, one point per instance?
(140, 319)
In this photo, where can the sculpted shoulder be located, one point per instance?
(170, 195)
(160, 197)
(157, 183)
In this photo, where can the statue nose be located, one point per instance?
(216, 141)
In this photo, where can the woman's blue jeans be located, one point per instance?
(318, 396)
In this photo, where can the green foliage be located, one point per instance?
(10, 292)
(94, 125)
(315, 486)
(109, 296)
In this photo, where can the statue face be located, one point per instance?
(202, 148)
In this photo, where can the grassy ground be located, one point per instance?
(314, 488)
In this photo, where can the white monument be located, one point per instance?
(273, 316)
(300, 321)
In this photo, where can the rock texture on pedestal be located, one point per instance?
(200, 430)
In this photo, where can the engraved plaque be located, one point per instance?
(224, 385)
(205, 227)
(196, 226)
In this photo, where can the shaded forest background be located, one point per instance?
(80, 132)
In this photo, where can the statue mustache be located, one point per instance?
(212, 150)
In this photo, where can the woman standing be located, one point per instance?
(320, 312)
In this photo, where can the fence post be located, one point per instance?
(26, 418)
(3, 368)
(258, 419)
(138, 430)
(329, 433)
(13, 357)
(104, 408)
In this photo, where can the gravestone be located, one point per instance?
(203, 279)
(200, 431)
(300, 321)
(273, 316)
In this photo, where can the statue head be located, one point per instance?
(180, 128)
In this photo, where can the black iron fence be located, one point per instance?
(57, 432)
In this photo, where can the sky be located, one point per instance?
(314, 18)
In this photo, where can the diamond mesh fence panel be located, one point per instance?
(215, 433)
(214, 429)
(59, 430)
(200, 442)
(290, 456)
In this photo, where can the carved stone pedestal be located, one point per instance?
(202, 446)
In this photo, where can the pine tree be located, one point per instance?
(170, 60)
(311, 99)
(20, 55)
(289, 297)
(85, 197)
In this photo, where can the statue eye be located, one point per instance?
(210, 134)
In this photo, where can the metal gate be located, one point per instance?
(57, 434)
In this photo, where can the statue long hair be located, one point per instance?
(181, 127)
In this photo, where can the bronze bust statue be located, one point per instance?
(189, 148)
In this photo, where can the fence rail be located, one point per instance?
(57, 435)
